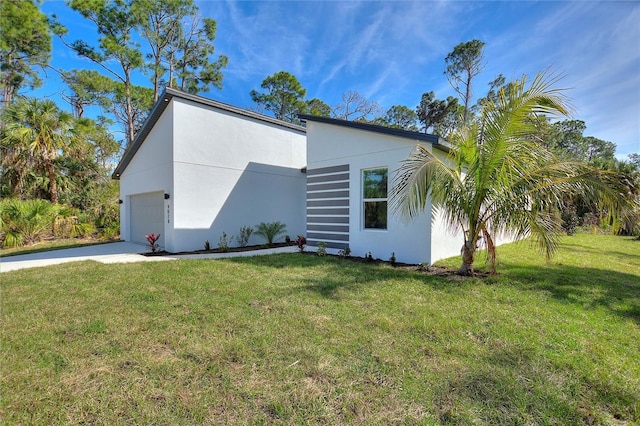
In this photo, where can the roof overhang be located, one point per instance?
(162, 103)
(437, 142)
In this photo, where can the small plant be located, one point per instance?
(287, 239)
(270, 231)
(570, 220)
(322, 249)
(244, 235)
(207, 245)
(424, 266)
(345, 252)
(392, 259)
(224, 241)
(152, 242)
(301, 241)
(369, 257)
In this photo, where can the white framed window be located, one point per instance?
(374, 198)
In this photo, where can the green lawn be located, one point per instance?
(306, 340)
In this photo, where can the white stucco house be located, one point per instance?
(199, 168)
(350, 170)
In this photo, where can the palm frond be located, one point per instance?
(421, 177)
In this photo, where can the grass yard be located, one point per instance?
(306, 340)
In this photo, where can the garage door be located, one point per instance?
(147, 216)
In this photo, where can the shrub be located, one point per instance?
(223, 242)
(70, 224)
(301, 241)
(392, 259)
(152, 242)
(26, 221)
(270, 231)
(570, 220)
(345, 252)
(111, 231)
(30, 221)
(207, 245)
(244, 235)
(322, 249)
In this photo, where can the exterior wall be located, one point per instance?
(231, 171)
(150, 170)
(329, 146)
(444, 242)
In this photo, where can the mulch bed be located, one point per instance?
(230, 250)
(439, 271)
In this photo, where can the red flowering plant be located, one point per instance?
(152, 240)
(300, 242)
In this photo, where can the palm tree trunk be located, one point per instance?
(468, 254)
(491, 249)
(53, 187)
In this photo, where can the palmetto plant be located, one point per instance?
(25, 221)
(36, 132)
(498, 178)
(270, 231)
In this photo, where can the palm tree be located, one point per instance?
(498, 178)
(40, 128)
(270, 231)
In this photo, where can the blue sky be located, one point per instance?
(392, 51)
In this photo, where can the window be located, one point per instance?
(374, 198)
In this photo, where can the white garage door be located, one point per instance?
(147, 216)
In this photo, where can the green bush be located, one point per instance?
(26, 221)
(244, 235)
(270, 231)
(30, 221)
(224, 242)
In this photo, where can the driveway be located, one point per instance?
(121, 252)
(103, 253)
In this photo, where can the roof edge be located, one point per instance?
(161, 104)
(438, 142)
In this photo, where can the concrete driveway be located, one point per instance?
(121, 252)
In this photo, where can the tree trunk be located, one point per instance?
(468, 254)
(491, 249)
(467, 95)
(129, 107)
(53, 187)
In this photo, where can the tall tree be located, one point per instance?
(190, 65)
(283, 96)
(355, 107)
(39, 129)
(399, 117)
(566, 139)
(317, 107)
(494, 87)
(437, 114)
(463, 63)
(509, 183)
(25, 46)
(89, 87)
(161, 27)
(118, 53)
